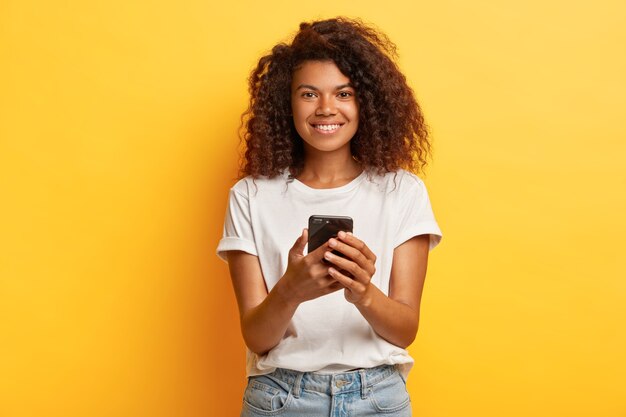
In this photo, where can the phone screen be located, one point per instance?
(322, 228)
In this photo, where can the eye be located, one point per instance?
(308, 94)
(345, 94)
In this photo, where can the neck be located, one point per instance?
(329, 168)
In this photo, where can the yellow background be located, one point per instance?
(118, 140)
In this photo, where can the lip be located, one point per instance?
(330, 128)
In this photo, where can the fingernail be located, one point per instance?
(342, 234)
(331, 270)
(350, 233)
(328, 255)
(332, 243)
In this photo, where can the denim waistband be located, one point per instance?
(333, 384)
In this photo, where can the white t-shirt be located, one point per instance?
(327, 334)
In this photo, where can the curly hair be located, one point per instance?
(391, 134)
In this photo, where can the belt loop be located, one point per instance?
(296, 386)
(363, 384)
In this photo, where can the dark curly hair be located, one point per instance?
(391, 132)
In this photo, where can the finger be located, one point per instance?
(298, 247)
(349, 267)
(346, 282)
(319, 272)
(335, 286)
(354, 254)
(318, 254)
(357, 243)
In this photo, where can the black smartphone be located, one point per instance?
(322, 228)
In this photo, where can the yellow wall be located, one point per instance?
(118, 145)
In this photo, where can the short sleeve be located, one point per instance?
(415, 212)
(238, 233)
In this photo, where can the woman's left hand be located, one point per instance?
(359, 264)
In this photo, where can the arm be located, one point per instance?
(265, 316)
(395, 317)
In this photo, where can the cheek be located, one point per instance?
(299, 121)
(355, 115)
(300, 113)
(354, 112)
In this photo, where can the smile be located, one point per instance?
(326, 128)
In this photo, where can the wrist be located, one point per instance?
(367, 299)
(283, 294)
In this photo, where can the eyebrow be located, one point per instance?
(312, 87)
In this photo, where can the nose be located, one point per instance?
(326, 107)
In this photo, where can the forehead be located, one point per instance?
(321, 74)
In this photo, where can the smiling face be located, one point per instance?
(324, 106)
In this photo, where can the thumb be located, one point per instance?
(298, 247)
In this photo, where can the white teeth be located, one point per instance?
(327, 127)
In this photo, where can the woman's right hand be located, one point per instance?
(265, 316)
(306, 277)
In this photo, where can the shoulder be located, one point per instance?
(409, 178)
(250, 186)
(401, 181)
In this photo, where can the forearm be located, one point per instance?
(392, 320)
(265, 317)
(265, 325)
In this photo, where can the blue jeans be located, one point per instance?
(363, 392)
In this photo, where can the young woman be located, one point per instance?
(332, 129)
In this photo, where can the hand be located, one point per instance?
(307, 277)
(359, 264)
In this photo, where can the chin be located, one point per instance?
(326, 147)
